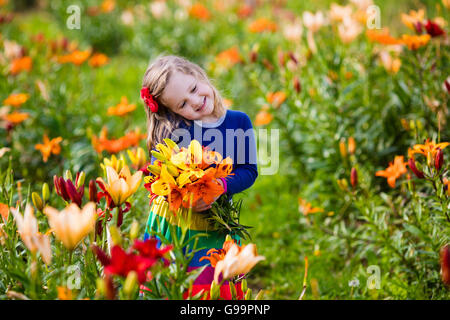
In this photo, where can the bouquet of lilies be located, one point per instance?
(187, 175)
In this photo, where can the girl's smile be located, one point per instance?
(189, 97)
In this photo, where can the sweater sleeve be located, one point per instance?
(244, 174)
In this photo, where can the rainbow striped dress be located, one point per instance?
(159, 219)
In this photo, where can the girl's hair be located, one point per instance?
(161, 124)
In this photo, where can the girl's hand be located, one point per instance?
(202, 206)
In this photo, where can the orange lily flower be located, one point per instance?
(428, 147)
(410, 20)
(415, 42)
(263, 117)
(227, 102)
(394, 171)
(64, 293)
(262, 25)
(215, 255)
(21, 64)
(72, 224)
(229, 57)
(77, 57)
(98, 60)
(107, 6)
(276, 98)
(4, 211)
(49, 147)
(122, 108)
(122, 185)
(131, 138)
(199, 11)
(382, 36)
(16, 99)
(306, 207)
(16, 117)
(206, 188)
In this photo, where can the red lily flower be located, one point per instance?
(121, 263)
(148, 249)
(433, 29)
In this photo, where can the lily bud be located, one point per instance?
(214, 291)
(281, 59)
(232, 289)
(115, 235)
(354, 177)
(447, 84)
(68, 175)
(110, 289)
(73, 193)
(292, 57)
(158, 155)
(228, 238)
(45, 192)
(101, 287)
(79, 181)
(351, 145)
(445, 264)
(244, 285)
(253, 56)
(342, 148)
(37, 201)
(297, 85)
(130, 284)
(439, 159)
(248, 295)
(134, 230)
(412, 165)
(92, 191)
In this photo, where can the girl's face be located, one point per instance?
(190, 98)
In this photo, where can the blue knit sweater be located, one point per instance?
(232, 136)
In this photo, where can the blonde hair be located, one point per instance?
(161, 124)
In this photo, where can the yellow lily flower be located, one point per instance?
(196, 152)
(72, 224)
(162, 185)
(116, 164)
(137, 157)
(121, 185)
(28, 229)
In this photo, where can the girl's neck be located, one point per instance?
(209, 119)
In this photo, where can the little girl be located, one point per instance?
(182, 104)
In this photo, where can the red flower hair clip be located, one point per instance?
(148, 99)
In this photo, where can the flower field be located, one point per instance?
(353, 95)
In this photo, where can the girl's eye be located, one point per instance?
(195, 88)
